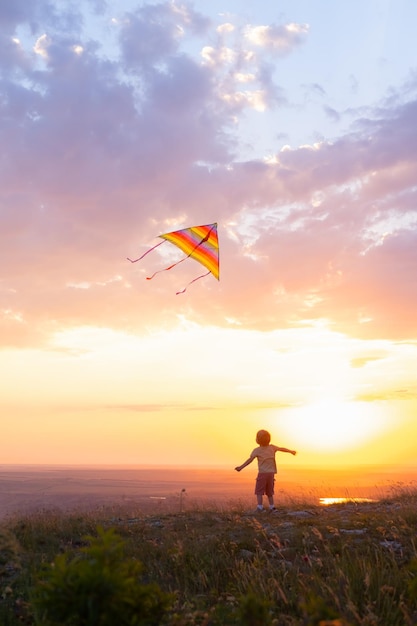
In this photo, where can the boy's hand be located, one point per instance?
(238, 469)
(293, 452)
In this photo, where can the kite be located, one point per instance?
(198, 242)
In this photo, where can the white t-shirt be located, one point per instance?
(266, 458)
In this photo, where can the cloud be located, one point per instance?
(18, 13)
(100, 153)
(154, 32)
(362, 361)
(390, 395)
(280, 39)
(14, 12)
(12, 56)
(332, 113)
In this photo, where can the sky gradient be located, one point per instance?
(293, 125)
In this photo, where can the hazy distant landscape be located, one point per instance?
(26, 488)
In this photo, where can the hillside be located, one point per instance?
(345, 564)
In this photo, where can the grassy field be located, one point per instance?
(346, 564)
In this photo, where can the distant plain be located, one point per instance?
(25, 488)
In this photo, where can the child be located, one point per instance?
(267, 468)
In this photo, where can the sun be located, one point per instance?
(331, 425)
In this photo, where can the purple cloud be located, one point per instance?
(101, 153)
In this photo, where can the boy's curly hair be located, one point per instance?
(263, 437)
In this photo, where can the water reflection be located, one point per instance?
(327, 501)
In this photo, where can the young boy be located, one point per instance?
(267, 468)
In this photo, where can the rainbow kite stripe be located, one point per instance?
(200, 243)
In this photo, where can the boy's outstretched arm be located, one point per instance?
(294, 452)
(247, 462)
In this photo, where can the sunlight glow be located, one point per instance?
(330, 425)
(330, 501)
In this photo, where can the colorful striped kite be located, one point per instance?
(199, 242)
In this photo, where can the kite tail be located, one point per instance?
(147, 252)
(166, 268)
(193, 281)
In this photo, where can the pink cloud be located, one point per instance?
(99, 155)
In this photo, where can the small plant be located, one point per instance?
(98, 587)
(412, 585)
(254, 611)
(9, 549)
(317, 611)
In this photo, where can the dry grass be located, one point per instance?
(345, 564)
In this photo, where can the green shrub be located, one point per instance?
(254, 611)
(412, 585)
(100, 586)
(9, 549)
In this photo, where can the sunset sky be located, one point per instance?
(293, 125)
